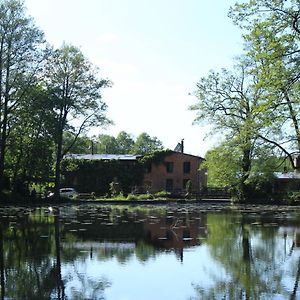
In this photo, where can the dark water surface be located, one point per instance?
(147, 252)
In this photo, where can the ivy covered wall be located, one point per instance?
(96, 175)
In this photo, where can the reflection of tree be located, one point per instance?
(27, 253)
(293, 295)
(60, 284)
(2, 279)
(88, 288)
(144, 251)
(252, 269)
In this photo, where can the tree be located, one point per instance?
(146, 144)
(125, 142)
(21, 54)
(272, 41)
(231, 103)
(222, 163)
(76, 90)
(29, 156)
(107, 144)
(83, 144)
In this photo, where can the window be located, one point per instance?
(169, 185)
(186, 167)
(169, 167)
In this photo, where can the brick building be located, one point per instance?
(173, 173)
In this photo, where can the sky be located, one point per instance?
(154, 52)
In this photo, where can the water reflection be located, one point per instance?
(118, 252)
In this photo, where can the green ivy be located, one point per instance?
(156, 157)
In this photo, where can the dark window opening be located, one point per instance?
(186, 167)
(169, 167)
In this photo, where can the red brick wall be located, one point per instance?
(156, 179)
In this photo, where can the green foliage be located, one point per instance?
(22, 51)
(155, 157)
(272, 34)
(145, 196)
(76, 90)
(107, 144)
(125, 142)
(131, 197)
(222, 164)
(82, 145)
(114, 188)
(294, 197)
(146, 144)
(188, 188)
(162, 194)
(96, 176)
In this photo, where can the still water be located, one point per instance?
(147, 252)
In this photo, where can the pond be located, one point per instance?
(150, 252)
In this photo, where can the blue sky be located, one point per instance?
(154, 52)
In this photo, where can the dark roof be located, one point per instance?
(103, 156)
(117, 156)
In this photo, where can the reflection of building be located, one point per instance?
(176, 231)
(172, 230)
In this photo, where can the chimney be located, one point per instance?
(182, 145)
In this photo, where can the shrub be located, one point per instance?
(145, 196)
(294, 197)
(162, 194)
(132, 197)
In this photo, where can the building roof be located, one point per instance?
(287, 175)
(103, 156)
(117, 156)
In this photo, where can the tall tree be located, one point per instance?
(272, 33)
(30, 152)
(229, 101)
(20, 57)
(83, 144)
(106, 144)
(125, 142)
(146, 144)
(76, 90)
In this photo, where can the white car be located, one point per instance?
(68, 193)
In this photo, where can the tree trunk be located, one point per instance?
(57, 168)
(59, 154)
(246, 166)
(5, 119)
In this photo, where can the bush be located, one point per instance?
(145, 196)
(294, 197)
(132, 197)
(162, 194)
